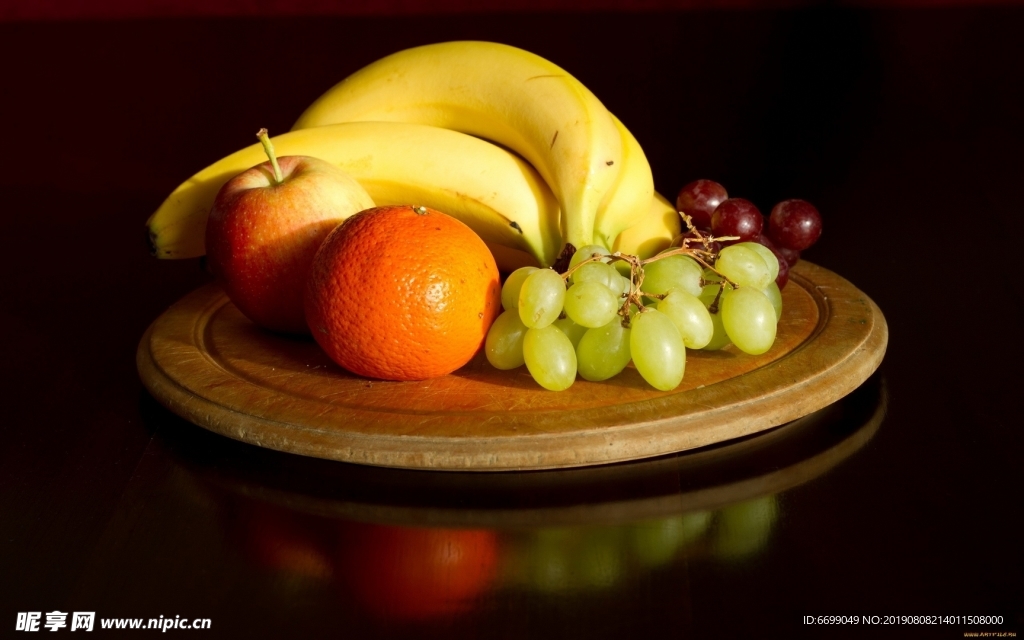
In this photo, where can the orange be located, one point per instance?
(415, 574)
(402, 293)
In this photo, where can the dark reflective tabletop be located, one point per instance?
(902, 500)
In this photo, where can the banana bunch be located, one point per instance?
(419, 126)
(654, 233)
(494, 192)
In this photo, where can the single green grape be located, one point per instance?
(766, 255)
(622, 267)
(603, 352)
(673, 272)
(597, 272)
(625, 286)
(550, 358)
(571, 329)
(585, 252)
(744, 266)
(690, 316)
(749, 319)
(657, 349)
(504, 343)
(513, 284)
(541, 298)
(773, 294)
(591, 304)
(719, 338)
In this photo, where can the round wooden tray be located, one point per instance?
(708, 479)
(207, 363)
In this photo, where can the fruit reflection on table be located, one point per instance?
(401, 550)
(421, 573)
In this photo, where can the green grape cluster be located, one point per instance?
(592, 320)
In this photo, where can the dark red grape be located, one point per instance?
(765, 241)
(791, 256)
(737, 217)
(794, 224)
(788, 255)
(783, 276)
(699, 199)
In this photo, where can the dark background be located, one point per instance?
(903, 125)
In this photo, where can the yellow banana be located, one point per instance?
(660, 225)
(493, 191)
(500, 93)
(629, 200)
(652, 234)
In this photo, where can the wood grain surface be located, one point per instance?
(206, 362)
(704, 480)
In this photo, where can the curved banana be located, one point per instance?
(493, 191)
(652, 234)
(501, 93)
(629, 200)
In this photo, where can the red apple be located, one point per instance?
(265, 226)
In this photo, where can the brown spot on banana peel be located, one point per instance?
(553, 140)
(511, 223)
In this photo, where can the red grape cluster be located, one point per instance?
(792, 226)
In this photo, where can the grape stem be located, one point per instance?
(594, 258)
(705, 257)
(713, 307)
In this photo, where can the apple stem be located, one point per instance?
(268, 147)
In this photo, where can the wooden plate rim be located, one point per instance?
(850, 325)
(707, 498)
